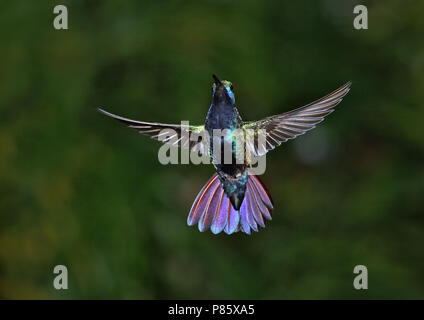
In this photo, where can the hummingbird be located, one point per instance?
(234, 200)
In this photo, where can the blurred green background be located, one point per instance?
(79, 189)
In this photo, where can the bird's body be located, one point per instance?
(224, 117)
(234, 200)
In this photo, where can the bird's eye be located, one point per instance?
(231, 87)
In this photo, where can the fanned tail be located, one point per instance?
(212, 208)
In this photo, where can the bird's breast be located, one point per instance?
(221, 117)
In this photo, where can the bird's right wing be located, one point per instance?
(187, 137)
(282, 127)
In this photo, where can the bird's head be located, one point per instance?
(222, 91)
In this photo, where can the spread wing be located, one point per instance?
(270, 132)
(184, 136)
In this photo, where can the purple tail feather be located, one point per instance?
(212, 208)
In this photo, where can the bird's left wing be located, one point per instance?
(282, 127)
(184, 136)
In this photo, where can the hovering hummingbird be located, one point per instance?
(233, 200)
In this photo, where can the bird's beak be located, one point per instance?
(217, 81)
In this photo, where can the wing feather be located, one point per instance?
(289, 125)
(173, 134)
